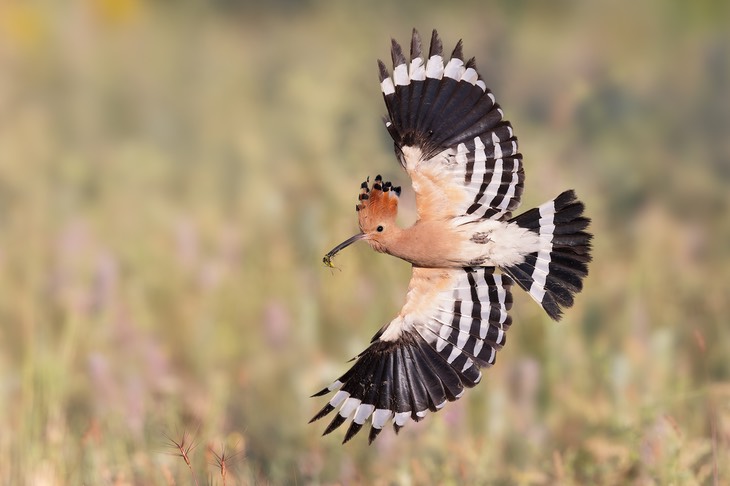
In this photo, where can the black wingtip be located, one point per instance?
(352, 430)
(436, 48)
(320, 393)
(458, 52)
(382, 71)
(373, 434)
(396, 53)
(322, 413)
(415, 44)
(336, 422)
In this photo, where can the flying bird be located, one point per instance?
(466, 249)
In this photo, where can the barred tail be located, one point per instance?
(555, 273)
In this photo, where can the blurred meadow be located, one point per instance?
(171, 174)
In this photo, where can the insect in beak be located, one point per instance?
(327, 260)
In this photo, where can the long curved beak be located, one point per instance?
(334, 251)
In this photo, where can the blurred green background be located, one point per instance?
(171, 174)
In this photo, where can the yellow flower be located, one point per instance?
(116, 11)
(22, 24)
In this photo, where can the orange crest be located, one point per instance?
(377, 204)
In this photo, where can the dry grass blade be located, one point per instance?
(224, 461)
(183, 448)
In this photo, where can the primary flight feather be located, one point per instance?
(466, 248)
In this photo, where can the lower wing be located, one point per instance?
(451, 326)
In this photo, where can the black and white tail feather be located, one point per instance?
(426, 357)
(553, 275)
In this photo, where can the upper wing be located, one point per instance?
(450, 135)
(452, 324)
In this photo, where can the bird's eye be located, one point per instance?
(379, 229)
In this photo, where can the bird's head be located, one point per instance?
(376, 212)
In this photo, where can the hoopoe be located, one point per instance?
(466, 248)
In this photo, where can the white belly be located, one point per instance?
(498, 243)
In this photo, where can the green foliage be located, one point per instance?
(171, 176)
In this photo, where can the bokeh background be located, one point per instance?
(171, 174)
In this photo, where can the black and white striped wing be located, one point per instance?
(450, 135)
(451, 326)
